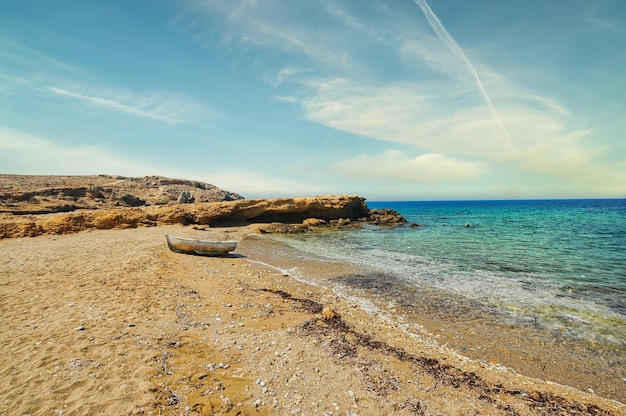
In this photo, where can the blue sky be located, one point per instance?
(391, 100)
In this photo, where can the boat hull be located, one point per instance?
(200, 247)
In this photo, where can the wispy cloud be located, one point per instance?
(165, 107)
(412, 84)
(407, 113)
(429, 168)
(152, 105)
(454, 47)
(32, 59)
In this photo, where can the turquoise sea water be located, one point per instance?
(539, 286)
(554, 265)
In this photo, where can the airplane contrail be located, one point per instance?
(454, 47)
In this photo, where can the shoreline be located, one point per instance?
(112, 321)
(464, 325)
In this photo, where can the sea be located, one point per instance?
(536, 274)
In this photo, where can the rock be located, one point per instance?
(279, 228)
(132, 201)
(314, 222)
(286, 211)
(385, 216)
(186, 197)
(33, 194)
(329, 313)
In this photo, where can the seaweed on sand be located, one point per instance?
(306, 304)
(345, 342)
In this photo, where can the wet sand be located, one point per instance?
(112, 322)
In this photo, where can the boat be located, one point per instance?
(200, 247)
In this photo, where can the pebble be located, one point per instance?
(79, 328)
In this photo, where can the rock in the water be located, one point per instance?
(385, 216)
(279, 228)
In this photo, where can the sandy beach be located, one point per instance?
(112, 322)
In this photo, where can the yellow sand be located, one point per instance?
(113, 323)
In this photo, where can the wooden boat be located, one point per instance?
(200, 247)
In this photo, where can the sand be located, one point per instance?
(112, 322)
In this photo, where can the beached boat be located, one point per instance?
(200, 247)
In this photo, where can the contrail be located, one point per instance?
(446, 38)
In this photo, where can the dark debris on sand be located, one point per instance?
(344, 343)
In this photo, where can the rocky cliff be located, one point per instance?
(341, 209)
(30, 194)
(34, 205)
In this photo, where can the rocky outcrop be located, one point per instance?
(239, 212)
(34, 205)
(385, 216)
(24, 194)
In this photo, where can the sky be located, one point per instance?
(387, 99)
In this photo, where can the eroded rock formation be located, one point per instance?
(34, 205)
(29, 194)
(239, 212)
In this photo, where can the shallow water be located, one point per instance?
(534, 274)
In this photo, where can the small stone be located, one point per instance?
(329, 313)
(79, 328)
(131, 325)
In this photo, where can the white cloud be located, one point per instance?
(429, 168)
(407, 113)
(285, 74)
(378, 72)
(255, 184)
(24, 153)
